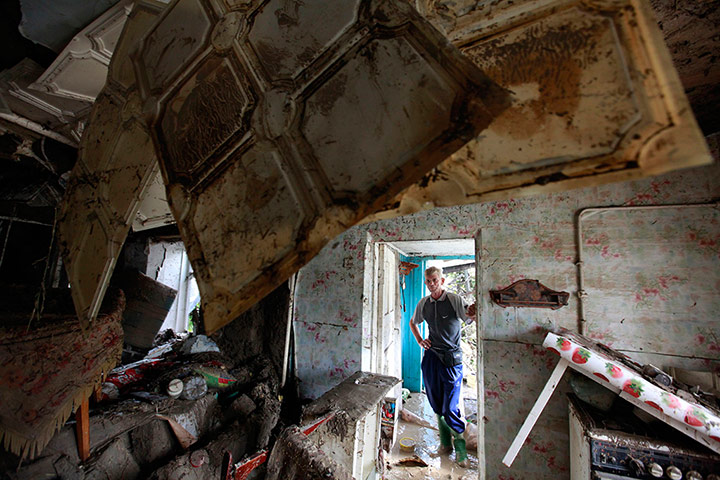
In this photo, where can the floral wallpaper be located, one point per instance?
(652, 279)
(652, 283)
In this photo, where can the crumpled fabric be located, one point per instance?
(48, 369)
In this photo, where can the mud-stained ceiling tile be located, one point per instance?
(595, 99)
(277, 131)
(115, 167)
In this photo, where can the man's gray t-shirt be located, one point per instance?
(443, 317)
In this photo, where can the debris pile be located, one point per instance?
(173, 414)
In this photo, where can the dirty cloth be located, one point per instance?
(199, 344)
(443, 386)
(48, 369)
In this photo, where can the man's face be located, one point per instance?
(434, 282)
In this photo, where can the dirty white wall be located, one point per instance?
(534, 238)
(328, 314)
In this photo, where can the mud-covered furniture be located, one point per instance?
(351, 438)
(674, 406)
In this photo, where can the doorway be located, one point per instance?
(405, 276)
(457, 258)
(459, 273)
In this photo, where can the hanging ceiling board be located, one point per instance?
(115, 168)
(278, 125)
(61, 117)
(596, 99)
(80, 71)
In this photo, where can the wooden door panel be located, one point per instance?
(279, 126)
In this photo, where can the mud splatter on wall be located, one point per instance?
(534, 238)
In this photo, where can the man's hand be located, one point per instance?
(471, 311)
(423, 342)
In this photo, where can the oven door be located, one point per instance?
(611, 476)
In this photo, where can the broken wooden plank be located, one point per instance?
(82, 429)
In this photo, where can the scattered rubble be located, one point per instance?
(243, 405)
(116, 462)
(413, 461)
(138, 430)
(187, 466)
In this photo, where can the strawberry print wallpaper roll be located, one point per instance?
(589, 358)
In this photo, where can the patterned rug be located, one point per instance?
(49, 365)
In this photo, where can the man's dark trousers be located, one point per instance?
(442, 387)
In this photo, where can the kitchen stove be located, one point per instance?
(618, 445)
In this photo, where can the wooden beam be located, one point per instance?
(97, 393)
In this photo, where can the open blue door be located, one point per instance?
(411, 293)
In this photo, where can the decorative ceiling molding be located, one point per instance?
(596, 99)
(53, 23)
(154, 210)
(62, 115)
(80, 71)
(116, 164)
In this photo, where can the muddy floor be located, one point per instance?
(427, 441)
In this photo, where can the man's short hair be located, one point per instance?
(433, 270)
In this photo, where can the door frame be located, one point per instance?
(415, 290)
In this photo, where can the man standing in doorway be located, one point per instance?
(442, 369)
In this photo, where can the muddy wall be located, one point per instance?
(258, 333)
(652, 283)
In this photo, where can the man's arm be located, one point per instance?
(467, 314)
(423, 342)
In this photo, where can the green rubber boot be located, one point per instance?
(445, 437)
(460, 449)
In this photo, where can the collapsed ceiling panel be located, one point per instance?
(153, 210)
(116, 164)
(79, 72)
(278, 126)
(595, 99)
(53, 24)
(53, 116)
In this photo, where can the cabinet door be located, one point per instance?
(279, 124)
(596, 99)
